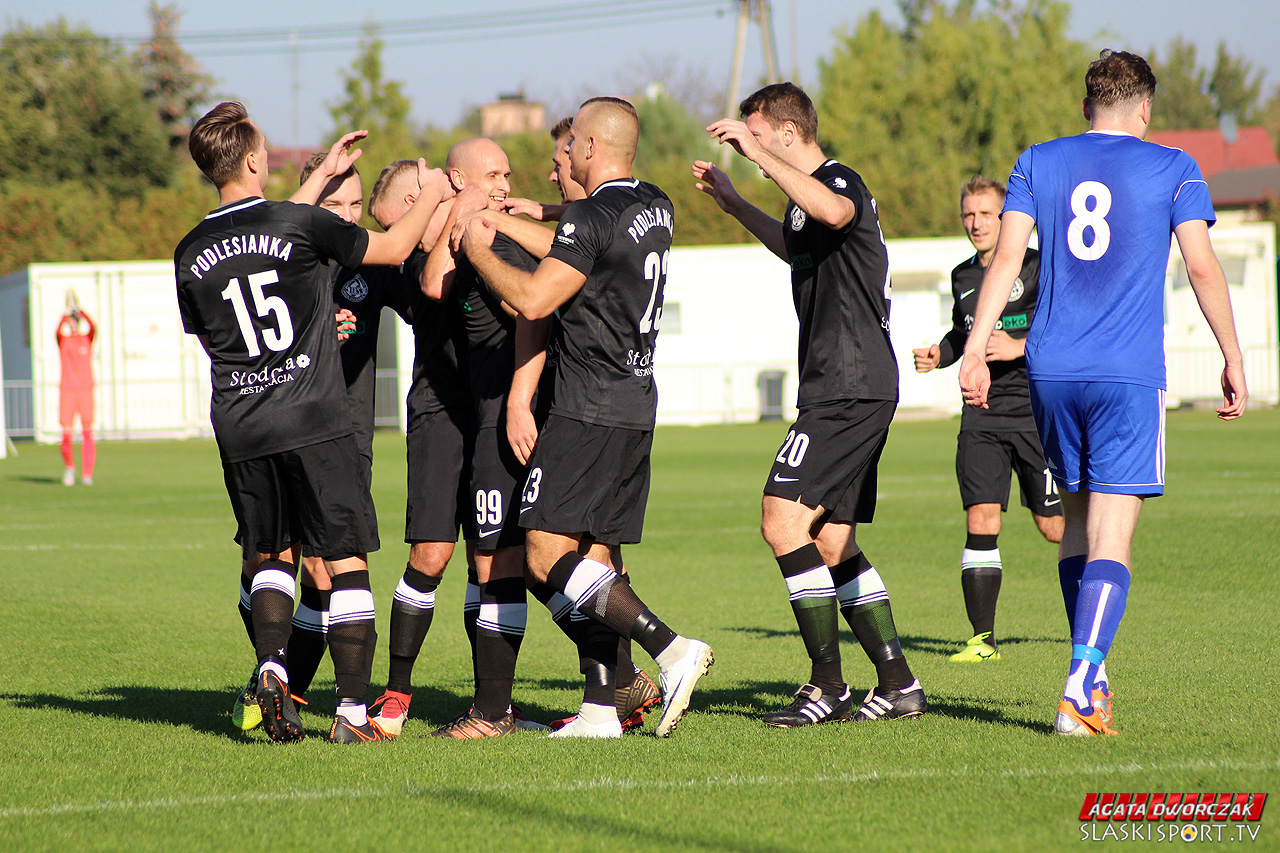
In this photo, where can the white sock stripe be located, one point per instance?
(309, 619)
(980, 559)
(866, 599)
(350, 605)
(586, 579)
(815, 583)
(276, 579)
(865, 586)
(415, 597)
(560, 606)
(503, 618)
(472, 597)
(576, 615)
(244, 598)
(1097, 614)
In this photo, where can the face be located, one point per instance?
(980, 213)
(769, 137)
(576, 150)
(347, 201)
(490, 171)
(570, 190)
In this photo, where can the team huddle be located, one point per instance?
(532, 406)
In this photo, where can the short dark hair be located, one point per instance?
(625, 106)
(313, 163)
(221, 139)
(783, 102)
(981, 184)
(1117, 77)
(561, 128)
(387, 178)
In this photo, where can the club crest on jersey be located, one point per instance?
(565, 230)
(355, 290)
(839, 183)
(797, 219)
(1018, 290)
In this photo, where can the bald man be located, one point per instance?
(589, 476)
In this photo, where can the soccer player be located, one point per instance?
(589, 475)
(993, 441)
(823, 479)
(437, 449)
(1104, 203)
(75, 334)
(249, 285)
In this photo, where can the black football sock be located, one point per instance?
(499, 631)
(864, 603)
(625, 669)
(352, 637)
(471, 612)
(595, 592)
(245, 609)
(813, 601)
(563, 613)
(980, 576)
(598, 661)
(307, 642)
(271, 601)
(411, 610)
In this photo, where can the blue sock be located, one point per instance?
(1070, 571)
(1104, 588)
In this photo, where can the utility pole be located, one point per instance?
(763, 15)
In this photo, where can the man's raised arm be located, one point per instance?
(535, 295)
(390, 248)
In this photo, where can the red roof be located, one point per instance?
(1252, 148)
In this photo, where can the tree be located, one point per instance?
(919, 109)
(73, 103)
(1183, 100)
(375, 104)
(1236, 87)
(173, 83)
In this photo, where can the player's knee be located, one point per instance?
(430, 558)
(1051, 527)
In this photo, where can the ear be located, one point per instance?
(1145, 111)
(789, 133)
(455, 178)
(1086, 109)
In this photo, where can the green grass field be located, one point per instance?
(120, 649)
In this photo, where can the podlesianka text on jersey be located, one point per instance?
(648, 218)
(247, 244)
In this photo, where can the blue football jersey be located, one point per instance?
(1105, 205)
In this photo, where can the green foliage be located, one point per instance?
(1236, 87)
(173, 83)
(1183, 100)
(919, 109)
(72, 100)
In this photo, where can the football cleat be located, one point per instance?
(977, 650)
(395, 710)
(344, 731)
(525, 724)
(245, 713)
(892, 704)
(577, 726)
(1102, 701)
(634, 700)
(69, 477)
(471, 725)
(678, 683)
(86, 481)
(1072, 723)
(279, 716)
(811, 706)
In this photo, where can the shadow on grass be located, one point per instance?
(910, 642)
(39, 481)
(960, 708)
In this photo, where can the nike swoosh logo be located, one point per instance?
(780, 479)
(525, 509)
(967, 292)
(1053, 503)
(485, 533)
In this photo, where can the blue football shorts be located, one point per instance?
(1101, 436)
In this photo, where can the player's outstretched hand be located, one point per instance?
(475, 232)
(975, 381)
(522, 432)
(469, 200)
(434, 179)
(927, 358)
(341, 156)
(346, 323)
(735, 133)
(1234, 392)
(522, 207)
(715, 183)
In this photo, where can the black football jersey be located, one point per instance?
(840, 285)
(491, 331)
(1010, 396)
(620, 238)
(251, 278)
(439, 349)
(364, 291)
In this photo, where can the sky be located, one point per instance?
(559, 51)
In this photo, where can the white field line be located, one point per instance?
(610, 784)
